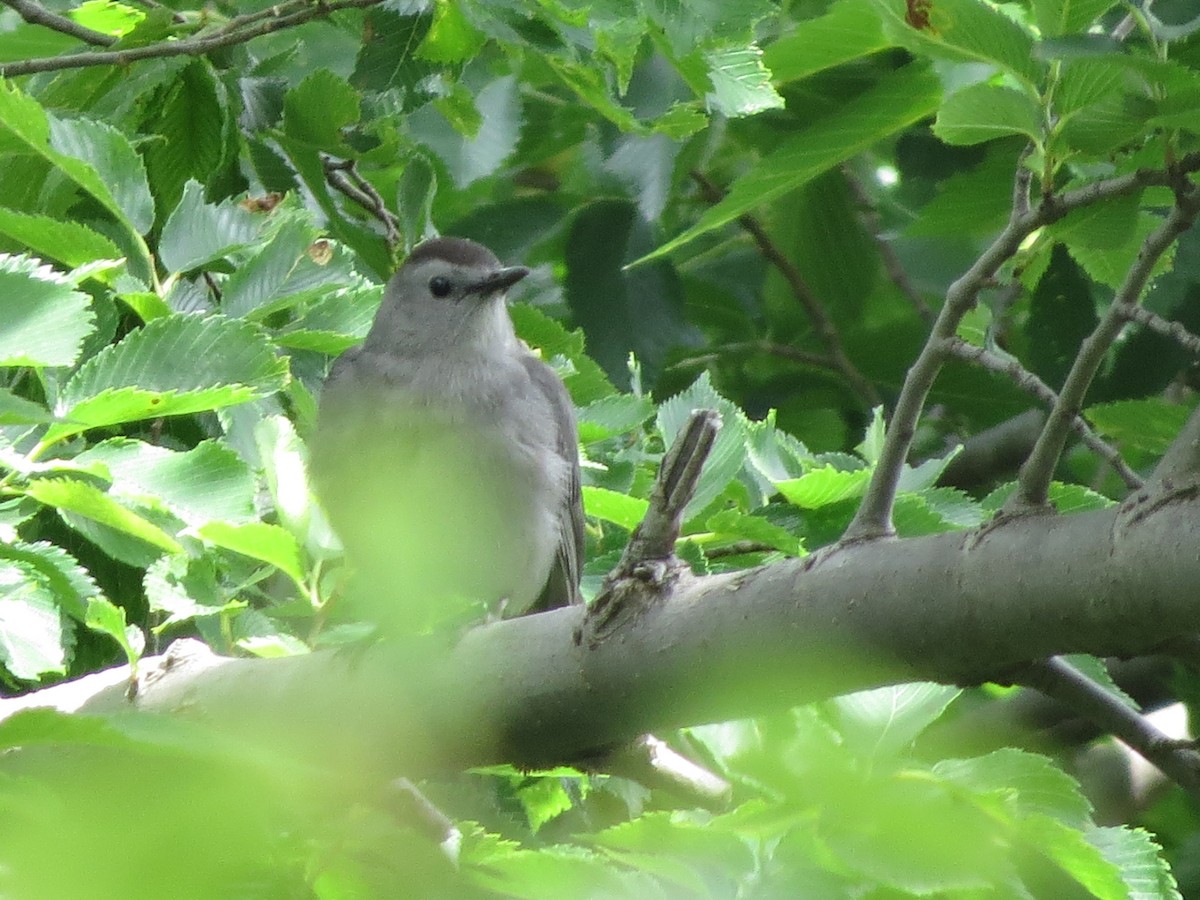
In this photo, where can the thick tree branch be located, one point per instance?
(34, 14)
(1031, 384)
(954, 607)
(236, 31)
(1033, 483)
(824, 326)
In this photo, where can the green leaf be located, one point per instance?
(197, 232)
(471, 157)
(966, 31)
(733, 523)
(741, 84)
(71, 243)
(33, 639)
(849, 30)
(107, 16)
(192, 103)
(1110, 265)
(588, 382)
(1036, 785)
(258, 540)
(43, 320)
(173, 365)
(208, 482)
(451, 37)
(70, 583)
(824, 486)
(1140, 861)
(882, 723)
(119, 180)
(1149, 425)
(613, 506)
(107, 618)
(902, 98)
(285, 272)
(984, 112)
(1070, 850)
(72, 495)
(611, 416)
(1059, 17)
(16, 410)
(728, 455)
(317, 109)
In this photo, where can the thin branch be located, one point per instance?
(871, 220)
(823, 325)
(237, 31)
(1031, 384)
(783, 351)
(874, 517)
(1165, 327)
(1059, 679)
(36, 15)
(343, 175)
(1033, 483)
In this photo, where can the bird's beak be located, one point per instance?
(498, 280)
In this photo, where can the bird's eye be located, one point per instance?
(439, 286)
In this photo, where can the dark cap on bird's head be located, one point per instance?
(456, 251)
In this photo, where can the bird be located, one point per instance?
(445, 453)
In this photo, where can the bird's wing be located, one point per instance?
(562, 586)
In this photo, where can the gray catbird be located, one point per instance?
(446, 453)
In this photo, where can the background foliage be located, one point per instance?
(188, 240)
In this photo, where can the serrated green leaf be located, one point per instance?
(71, 243)
(588, 382)
(284, 273)
(33, 640)
(16, 410)
(258, 540)
(741, 84)
(58, 570)
(613, 506)
(1094, 669)
(193, 104)
(43, 320)
(1148, 425)
(107, 17)
(173, 365)
(1139, 860)
(849, 30)
(197, 232)
(984, 112)
(119, 180)
(72, 495)
(1067, 498)
(728, 455)
(1071, 851)
(317, 109)
(107, 618)
(965, 31)
(1059, 17)
(612, 416)
(824, 486)
(737, 524)
(1110, 265)
(208, 482)
(1035, 783)
(882, 723)
(184, 588)
(904, 97)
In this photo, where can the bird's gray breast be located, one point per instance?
(441, 482)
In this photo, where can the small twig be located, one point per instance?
(36, 15)
(649, 568)
(1057, 678)
(740, 548)
(1166, 327)
(654, 763)
(783, 351)
(343, 175)
(1031, 384)
(1033, 483)
(411, 807)
(872, 220)
(823, 325)
(237, 31)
